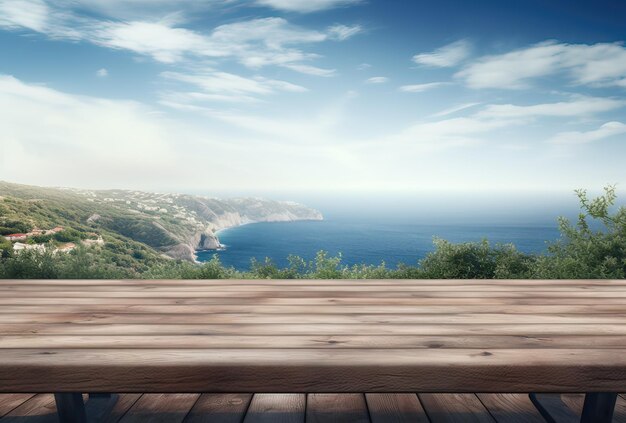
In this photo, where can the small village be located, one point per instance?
(25, 241)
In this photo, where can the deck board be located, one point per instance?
(276, 408)
(395, 408)
(292, 408)
(160, 408)
(455, 408)
(511, 408)
(219, 408)
(336, 408)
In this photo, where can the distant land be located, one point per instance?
(131, 223)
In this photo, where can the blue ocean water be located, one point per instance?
(366, 240)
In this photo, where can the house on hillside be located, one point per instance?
(20, 246)
(16, 237)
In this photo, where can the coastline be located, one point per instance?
(223, 247)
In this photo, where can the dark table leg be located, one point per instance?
(71, 408)
(598, 408)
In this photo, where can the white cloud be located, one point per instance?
(254, 43)
(444, 57)
(310, 70)
(226, 87)
(75, 137)
(306, 6)
(609, 129)
(343, 32)
(419, 88)
(377, 80)
(138, 9)
(163, 43)
(102, 73)
(228, 83)
(602, 64)
(363, 66)
(454, 109)
(581, 106)
(31, 14)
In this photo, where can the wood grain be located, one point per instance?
(511, 408)
(160, 408)
(455, 408)
(395, 408)
(219, 408)
(276, 408)
(336, 408)
(236, 336)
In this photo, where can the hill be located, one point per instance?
(142, 225)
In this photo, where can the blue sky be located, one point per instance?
(313, 95)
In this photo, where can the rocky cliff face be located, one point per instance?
(215, 215)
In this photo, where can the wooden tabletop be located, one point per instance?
(313, 336)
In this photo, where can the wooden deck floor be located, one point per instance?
(314, 408)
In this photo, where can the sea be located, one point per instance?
(394, 232)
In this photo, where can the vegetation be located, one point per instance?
(592, 247)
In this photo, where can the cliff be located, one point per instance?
(175, 225)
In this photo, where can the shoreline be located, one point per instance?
(223, 247)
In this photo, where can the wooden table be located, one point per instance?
(80, 336)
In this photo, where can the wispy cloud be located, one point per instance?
(446, 56)
(343, 32)
(377, 80)
(419, 88)
(607, 130)
(102, 73)
(30, 14)
(602, 64)
(454, 109)
(310, 70)
(306, 6)
(228, 83)
(581, 106)
(255, 43)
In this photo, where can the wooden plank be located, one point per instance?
(309, 341)
(265, 289)
(453, 408)
(311, 290)
(315, 329)
(336, 408)
(112, 308)
(326, 301)
(276, 408)
(156, 408)
(313, 370)
(219, 408)
(9, 402)
(395, 408)
(339, 293)
(511, 408)
(38, 409)
(121, 407)
(297, 282)
(314, 319)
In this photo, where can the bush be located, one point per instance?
(585, 252)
